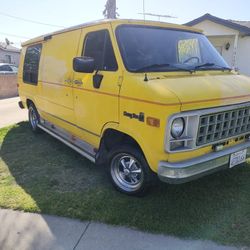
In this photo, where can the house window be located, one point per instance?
(7, 58)
(98, 46)
(31, 64)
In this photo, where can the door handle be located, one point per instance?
(77, 82)
(67, 81)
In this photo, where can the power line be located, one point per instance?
(30, 21)
(8, 34)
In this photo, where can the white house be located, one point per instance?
(231, 38)
(9, 54)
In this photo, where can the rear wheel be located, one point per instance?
(34, 118)
(129, 171)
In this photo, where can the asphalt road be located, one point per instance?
(10, 113)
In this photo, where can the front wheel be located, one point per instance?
(129, 171)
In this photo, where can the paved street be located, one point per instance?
(10, 113)
(25, 231)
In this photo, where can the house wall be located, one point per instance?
(15, 56)
(220, 42)
(214, 29)
(219, 36)
(243, 55)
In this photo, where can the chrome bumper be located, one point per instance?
(184, 171)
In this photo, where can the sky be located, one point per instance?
(66, 13)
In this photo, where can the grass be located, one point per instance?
(40, 174)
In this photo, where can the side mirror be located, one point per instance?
(84, 64)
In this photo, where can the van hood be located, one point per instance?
(205, 91)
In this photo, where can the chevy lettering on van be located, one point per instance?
(147, 99)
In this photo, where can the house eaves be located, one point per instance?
(242, 29)
(9, 48)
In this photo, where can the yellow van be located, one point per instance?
(146, 98)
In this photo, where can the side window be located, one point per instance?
(189, 51)
(31, 64)
(98, 46)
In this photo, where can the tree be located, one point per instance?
(110, 10)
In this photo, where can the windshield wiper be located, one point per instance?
(156, 67)
(211, 65)
(152, 67)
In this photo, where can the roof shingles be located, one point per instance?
(242, 26)
(242, 23)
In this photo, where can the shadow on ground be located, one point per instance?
(59, 181)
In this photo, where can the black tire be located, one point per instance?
(34, 118)
(129, 171)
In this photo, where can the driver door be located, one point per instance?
(96, 106)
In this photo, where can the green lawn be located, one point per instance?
(40, 174)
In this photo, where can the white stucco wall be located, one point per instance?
(221, 42)
(14, 56)
(214, 29)
(243, 55)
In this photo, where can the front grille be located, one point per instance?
(223, 125)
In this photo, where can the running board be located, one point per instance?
(81, 151)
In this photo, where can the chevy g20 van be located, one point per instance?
(147, 99)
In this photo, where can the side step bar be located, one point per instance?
(71, 145)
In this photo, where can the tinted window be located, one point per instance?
(31, 64)
(5, 68)
(98, 46)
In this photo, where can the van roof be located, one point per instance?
(117, 21)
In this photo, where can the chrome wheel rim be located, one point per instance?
(127, 172)
(33, 118)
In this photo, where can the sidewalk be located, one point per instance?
(26, 231)
(10, 113)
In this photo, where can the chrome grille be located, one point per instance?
(223, 125)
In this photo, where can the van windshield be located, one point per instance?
(154, 49)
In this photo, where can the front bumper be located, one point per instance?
(184, 171)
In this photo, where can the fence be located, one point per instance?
(8, 85)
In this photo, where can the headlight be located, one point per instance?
(177, 127)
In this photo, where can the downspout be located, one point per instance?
(234, 63)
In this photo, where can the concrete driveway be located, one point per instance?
(10, 113)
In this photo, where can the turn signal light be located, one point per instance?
(154, 122)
